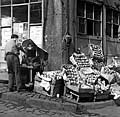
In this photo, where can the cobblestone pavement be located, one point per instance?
(12, 109)
(110, 111)
(15, 109)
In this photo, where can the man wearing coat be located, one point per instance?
(13, 63)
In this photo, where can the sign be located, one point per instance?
(36, 35)
(21, 29)
(6, 21)
(6, 35)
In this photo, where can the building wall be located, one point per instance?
(111, 46)
(53, 34)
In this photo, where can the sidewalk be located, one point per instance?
(46, 102)
(3, 77)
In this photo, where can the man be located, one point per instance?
(13, 63)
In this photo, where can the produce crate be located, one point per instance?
(83, 95)
(86, 95)
(102, 96)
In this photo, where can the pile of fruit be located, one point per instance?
(96, 51)
(81, 60)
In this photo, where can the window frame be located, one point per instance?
(112, 23)
(22, 4)
(99, 21)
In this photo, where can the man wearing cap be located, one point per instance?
(13, 63)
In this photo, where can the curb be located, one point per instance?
(49, 104)
(96, 105)
(3, 77)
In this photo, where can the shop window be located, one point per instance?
(5, 2)
(89, 18)
(6, 35)
(108, 16)
(36, 34)
(115, 24)
(21, 29)
(108, 30)
(112, 23)
(36, 13)
(109, 22)
(97, 28)
(80, 9)
(20, 13)
(82, 25)
(5, 16)
(115, 17)
(5, 12)
(97, 12)
(35, 0)
(119, 18)
(115, 31)
(19, 1)
(89, 27)
(89, 11)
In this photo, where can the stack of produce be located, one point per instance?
(96, 51)
(116, 61)
(96, 55)
(115, 90)
(72, 74)
(88, 77)
(80, 60)
(101, 85)
(49, 75)
(91, 78)
(98, 65)
(108, 73)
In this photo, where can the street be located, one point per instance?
(13, 109)
(16, 109)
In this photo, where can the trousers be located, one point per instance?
(13, 64)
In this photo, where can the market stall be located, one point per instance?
(33, 61)
(86, 79)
